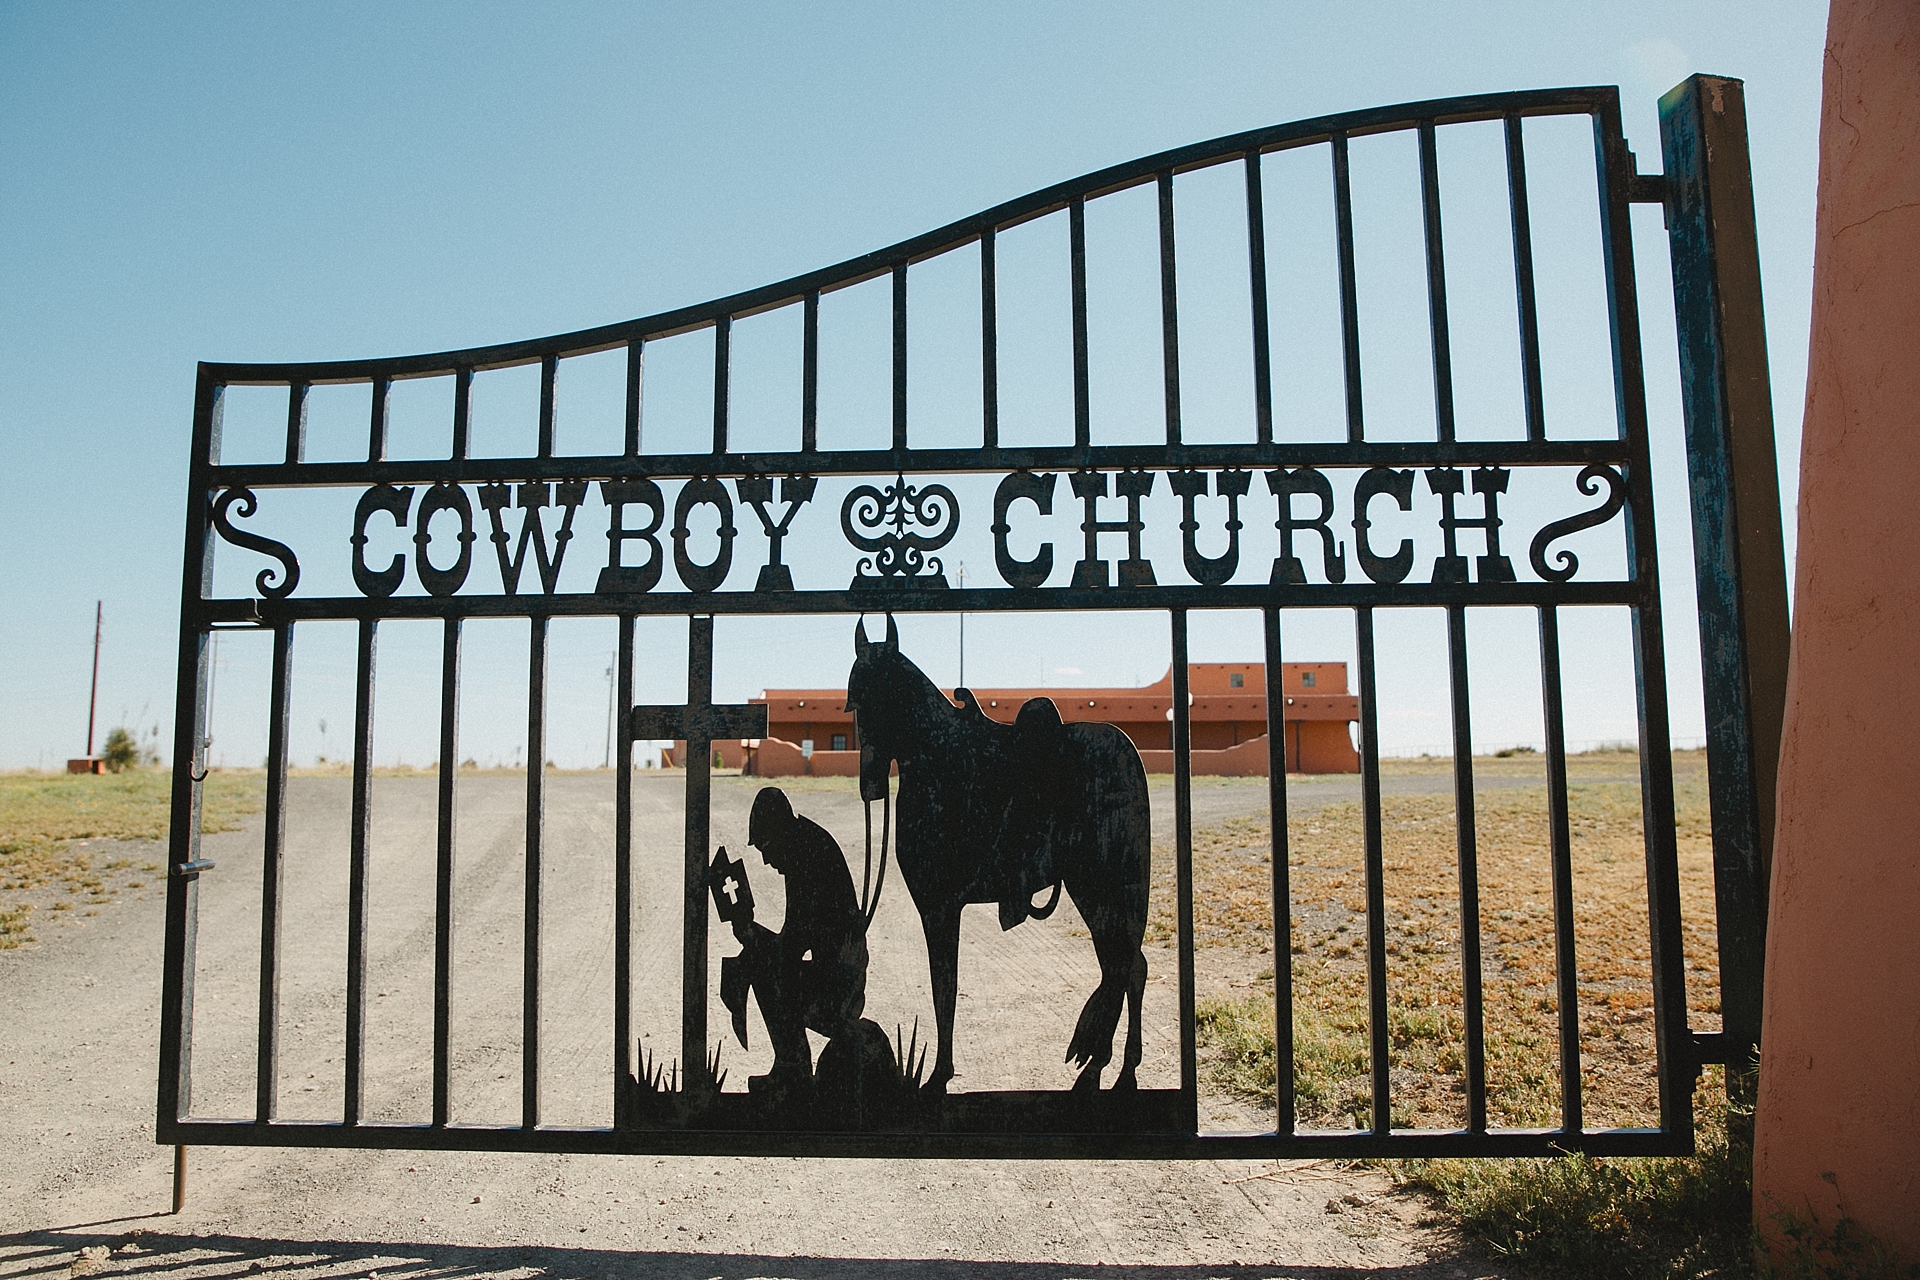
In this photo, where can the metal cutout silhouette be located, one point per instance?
(993, 812)
(810, 976)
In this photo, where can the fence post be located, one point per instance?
(1739, 552)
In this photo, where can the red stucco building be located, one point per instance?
(1228, 718)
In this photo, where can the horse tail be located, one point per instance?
(1041, 913)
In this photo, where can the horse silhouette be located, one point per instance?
(993, 812)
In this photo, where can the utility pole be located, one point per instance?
(606, 761)
(93, 698)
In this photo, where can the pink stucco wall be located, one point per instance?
(1840, 1064)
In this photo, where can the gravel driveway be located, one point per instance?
(78, 1167)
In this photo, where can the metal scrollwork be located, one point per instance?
(900, 558)
(263, 581)
(1549, 534)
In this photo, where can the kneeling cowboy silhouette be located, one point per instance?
(813, 973)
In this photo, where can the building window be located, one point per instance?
(1236, 681)
(1306, 679)
(839, 742)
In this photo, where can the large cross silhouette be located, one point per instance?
(701, 724)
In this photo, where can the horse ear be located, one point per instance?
(860, 641)
(893, 635)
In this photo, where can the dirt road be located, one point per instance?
(78, 1167)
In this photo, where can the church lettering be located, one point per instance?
(900, 524)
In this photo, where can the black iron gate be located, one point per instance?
(899, 521)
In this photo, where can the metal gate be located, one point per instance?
(892, 528)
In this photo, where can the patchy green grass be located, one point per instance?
(1239, 1036)
(42, 816)
(1644, 1218)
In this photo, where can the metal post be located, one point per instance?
(1739, 550)
(179, 1179)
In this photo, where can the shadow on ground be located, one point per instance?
(163, 1255)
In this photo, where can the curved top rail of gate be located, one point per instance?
(1616, 188)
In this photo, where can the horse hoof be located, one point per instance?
(935, 1088)
(1125, 1082)
(1088, 1081)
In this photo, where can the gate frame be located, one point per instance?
(1734, 500)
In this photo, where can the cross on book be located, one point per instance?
(732, 895)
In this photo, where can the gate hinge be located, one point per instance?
(223, 614)
(189, 870)
(1647, 188)
(1709, 1047)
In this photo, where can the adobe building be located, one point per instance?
(810, 731)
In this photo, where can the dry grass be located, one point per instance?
(1232, 875)
(43, 816)
(1576, 1216)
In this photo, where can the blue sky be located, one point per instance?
(281, 182)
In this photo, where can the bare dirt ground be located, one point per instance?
(78, 1028)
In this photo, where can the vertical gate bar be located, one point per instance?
(1282, 874)
(358, 837)
(536, 829)
(1671, 1036)
(1169, 308)
(693, 956)
(549, 374)
(1183, 870)
(183, 893)
(1436, 283)
(1739, 549)
(174, 1094)
(1077, 258)
(1257, 282)
(462, 413)
(266, 1078)
(1467, 850)
(810, 373)
(900, 356)
(1376, 875)
(1523, 291)
(623, 1066)
(722, 377)
(377, 421)
(1663, 876)
(636, 372)
(1349, 290)
(443, 873)
(296, 422)
(989, 345)
(1566, 975)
